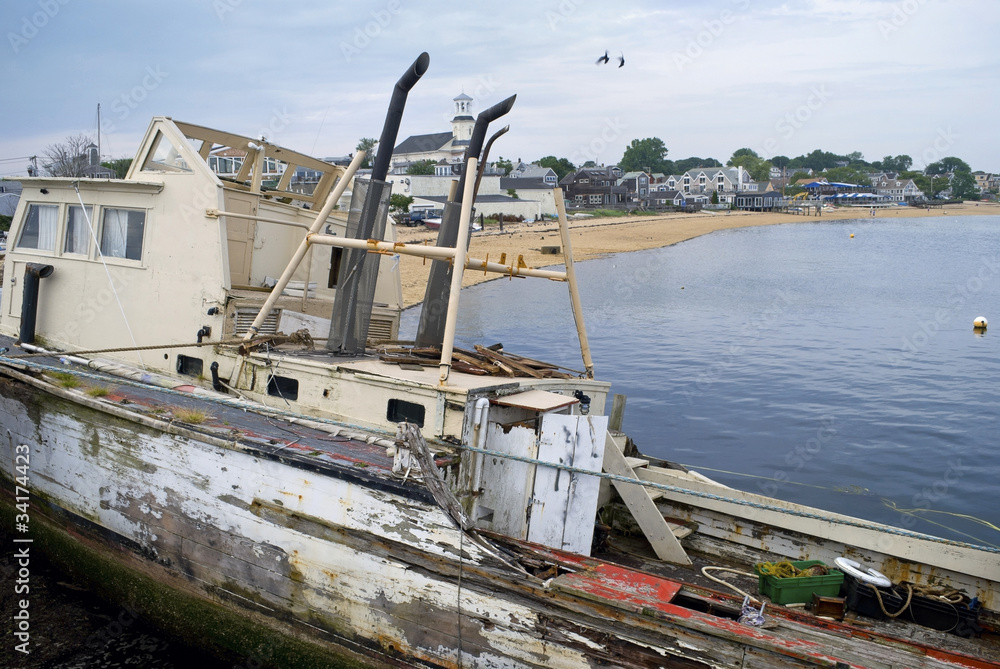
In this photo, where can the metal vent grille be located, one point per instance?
(380, 328)
(245, 316)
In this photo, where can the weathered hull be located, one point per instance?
(287, 557)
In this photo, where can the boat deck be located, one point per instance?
(698, 593)
(357, 453)
(308, 443)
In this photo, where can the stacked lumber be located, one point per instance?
(483, 361)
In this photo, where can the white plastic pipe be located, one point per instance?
(461, 253)
(482, 412)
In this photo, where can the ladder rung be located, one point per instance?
(680, 531)
(637, 462)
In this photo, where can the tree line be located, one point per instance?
(648, 155)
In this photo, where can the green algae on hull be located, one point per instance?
(242, 638)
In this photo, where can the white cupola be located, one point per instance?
(462, 124)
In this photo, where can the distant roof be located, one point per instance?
(522, 170)
(479, 198)
(461, 96)
(759, 193)
(527, 183)
(421, 143)
(10, 193)
(835, 184)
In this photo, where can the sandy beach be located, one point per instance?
(597, 237)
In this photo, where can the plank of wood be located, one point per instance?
(475, 362)
(643, 509)
(617, 413)
(504, 360)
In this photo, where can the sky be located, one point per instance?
(915, 77)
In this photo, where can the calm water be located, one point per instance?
(797, 361)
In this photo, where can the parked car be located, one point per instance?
(415, 217)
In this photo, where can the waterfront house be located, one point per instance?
(758, 201)
(895, 189)
(523, 170)
(637, 188)
(725, 181)
(666, 198)
(595, 187)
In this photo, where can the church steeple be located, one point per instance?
(462, 124)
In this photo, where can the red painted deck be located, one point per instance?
(622, 588)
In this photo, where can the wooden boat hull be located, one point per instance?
(281, 555)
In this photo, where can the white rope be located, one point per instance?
(705, 570)
(93, 235)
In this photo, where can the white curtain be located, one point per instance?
(77, 230)
(48, 221)
(115, 233)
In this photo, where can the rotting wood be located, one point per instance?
(617, 416)
(644, 510)
(479, 362)
(504, 360)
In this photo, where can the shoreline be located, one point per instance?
(600, 237)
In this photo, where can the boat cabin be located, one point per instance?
(176, 254)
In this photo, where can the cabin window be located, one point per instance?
(78, 230)
(283, 387)
(164, 157)
(189, 366)
(399, 410)
(39, 230)
(121, 235)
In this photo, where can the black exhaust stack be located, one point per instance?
(33, 273)
(430, 331)
(395, 114)
(358, 273)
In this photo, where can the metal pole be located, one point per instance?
(461, 252)
(574, 293)
(300, 252)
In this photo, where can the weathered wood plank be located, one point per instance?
(643, 509)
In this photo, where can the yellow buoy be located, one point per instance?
(979, 323)
(852, 235)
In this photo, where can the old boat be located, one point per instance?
(368, 501)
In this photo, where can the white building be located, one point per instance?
(444, 148)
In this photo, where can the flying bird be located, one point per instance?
(621, 60)
(603, 59)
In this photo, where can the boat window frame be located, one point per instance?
(22, 228)
(151, 163)
(122, 260)
(64, 232)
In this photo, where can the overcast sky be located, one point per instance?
(918, 77)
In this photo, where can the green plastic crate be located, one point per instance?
(800, 589)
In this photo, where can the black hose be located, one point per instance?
(33, 273)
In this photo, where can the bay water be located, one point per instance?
(795, 360)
